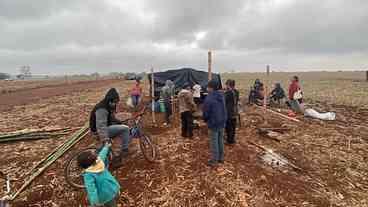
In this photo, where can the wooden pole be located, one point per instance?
(209, 65)
(266, 87)
(366, 74)
(153, 96)
(281, 115)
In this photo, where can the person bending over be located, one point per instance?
(102, 188)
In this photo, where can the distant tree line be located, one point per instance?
(4, 76)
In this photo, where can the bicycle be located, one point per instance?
(73, 173)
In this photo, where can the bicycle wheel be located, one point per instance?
(72, 172)
(148, 148)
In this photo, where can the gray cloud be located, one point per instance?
(73, 36)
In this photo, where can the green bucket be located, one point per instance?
(162, 106)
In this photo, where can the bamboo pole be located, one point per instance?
(266, 87)
(31, 137)
(30, 132)
(58, 153)
(282, 115)
(67, 142)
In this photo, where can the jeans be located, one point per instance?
(187, 124)
(230, 130)
(217, 144)
(135, 100)
(168, 111)
(295, 105)
(122, 132)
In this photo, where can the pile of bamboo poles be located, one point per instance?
(26, 135)
(51, 158)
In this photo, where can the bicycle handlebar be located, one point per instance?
(139, 114)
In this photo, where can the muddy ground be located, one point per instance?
(332, 157)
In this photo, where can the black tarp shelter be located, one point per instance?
(182, 76)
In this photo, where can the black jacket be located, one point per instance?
(231, 103)
(112, 94)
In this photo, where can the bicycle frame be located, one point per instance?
(136, 130)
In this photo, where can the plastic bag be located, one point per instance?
(328, 116)
(129, 102)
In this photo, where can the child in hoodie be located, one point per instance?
(214, 114)
(102, 188)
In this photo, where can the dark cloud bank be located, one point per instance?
(84, 36)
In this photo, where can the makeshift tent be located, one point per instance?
(182, 76)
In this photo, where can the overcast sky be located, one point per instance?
(85, 36)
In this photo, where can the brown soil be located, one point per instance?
(31, 95)
(332, 155)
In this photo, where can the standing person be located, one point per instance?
(231, 102)
(167, 92)
(214, 114)
(295, 95)
(136, 93)
(104, 123)
(186, 108)
(102, 188)
(197, 93)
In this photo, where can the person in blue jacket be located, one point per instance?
(102, 188)
(214, 114)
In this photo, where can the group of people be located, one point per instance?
(219, 112)
(277, 95)
(219, 109)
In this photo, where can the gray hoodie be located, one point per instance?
(168, 90)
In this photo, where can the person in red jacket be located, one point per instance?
(136, 92)
(295, 95)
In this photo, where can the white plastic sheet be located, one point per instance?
(328, 116)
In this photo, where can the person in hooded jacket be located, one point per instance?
(104, 123)
(277, 94)
(101, 187)
(214, 114)
(256, 94)
(167, 92)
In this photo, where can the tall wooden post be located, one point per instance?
(366, 74)
(209, 65)
(266, 87)
(153, 96)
